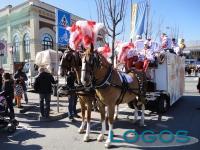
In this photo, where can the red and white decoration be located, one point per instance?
(85, 33)
(105, 51)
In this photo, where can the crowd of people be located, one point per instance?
(13, 88)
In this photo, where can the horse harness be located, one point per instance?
(124, 86)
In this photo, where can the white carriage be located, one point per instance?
(166, 84)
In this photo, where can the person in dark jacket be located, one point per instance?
(8, 88)
(43, 85)
(20, 75)
(72, 97)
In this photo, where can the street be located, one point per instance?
(61, 134)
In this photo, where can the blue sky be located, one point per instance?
(184, 14)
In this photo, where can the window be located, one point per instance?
(26, 45)
(47, 41)
(16, 53)
(4, 56)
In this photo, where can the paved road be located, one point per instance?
(62, 135)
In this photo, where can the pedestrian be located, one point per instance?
(18, 92)
(1, 78)
(72, 97)
(8, 88)
(43, 85)
(22, 76)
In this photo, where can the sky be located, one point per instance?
(181, 14)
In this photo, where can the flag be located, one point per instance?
(138, 16)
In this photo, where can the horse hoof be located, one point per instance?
(107, 144)
(81, 131)
(86, 138)
(100, 138)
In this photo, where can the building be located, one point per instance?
(27, 29)
(192, 50)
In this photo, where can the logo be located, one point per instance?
(149, 138)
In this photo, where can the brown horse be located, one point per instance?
(110, 86)
(72, 60)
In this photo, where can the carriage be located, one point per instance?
(166, 85)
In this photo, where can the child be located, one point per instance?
(18, 92)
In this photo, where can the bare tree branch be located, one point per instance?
(111, 13)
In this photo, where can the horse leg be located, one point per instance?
(81, 129)
(116, 112)
(111, 111)
(135, 113)
(95, 108)
(89, 109)
(103, 123)
(142, 116)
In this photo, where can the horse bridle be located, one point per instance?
(70, 56)
(94, 62)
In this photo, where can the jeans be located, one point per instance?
(10, 107)
(25, 96)
(72, 98)
(45, 110)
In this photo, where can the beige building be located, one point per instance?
(192, 50)
(27, 29)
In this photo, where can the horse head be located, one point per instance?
(94, 66)
(71, 59)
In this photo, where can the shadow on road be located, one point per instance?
(19, 139)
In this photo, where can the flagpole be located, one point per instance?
(148, 10)
(131, 18)
(56, 12)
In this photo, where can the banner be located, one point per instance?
(133, 18)
(63, 20)
(138, 18)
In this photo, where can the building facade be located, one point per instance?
(192, 50)
(27, 28)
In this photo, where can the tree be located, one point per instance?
(112, 13)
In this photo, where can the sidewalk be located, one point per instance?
(32, 109)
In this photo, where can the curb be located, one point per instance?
(27, 108)
(57, 117)
(54, 118)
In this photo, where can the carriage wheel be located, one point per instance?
(163, 104)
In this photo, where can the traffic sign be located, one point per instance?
(63, 20)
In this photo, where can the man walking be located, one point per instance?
(43, 85)
(72, 97)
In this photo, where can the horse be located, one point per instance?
(110, 86)
(72, 60)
